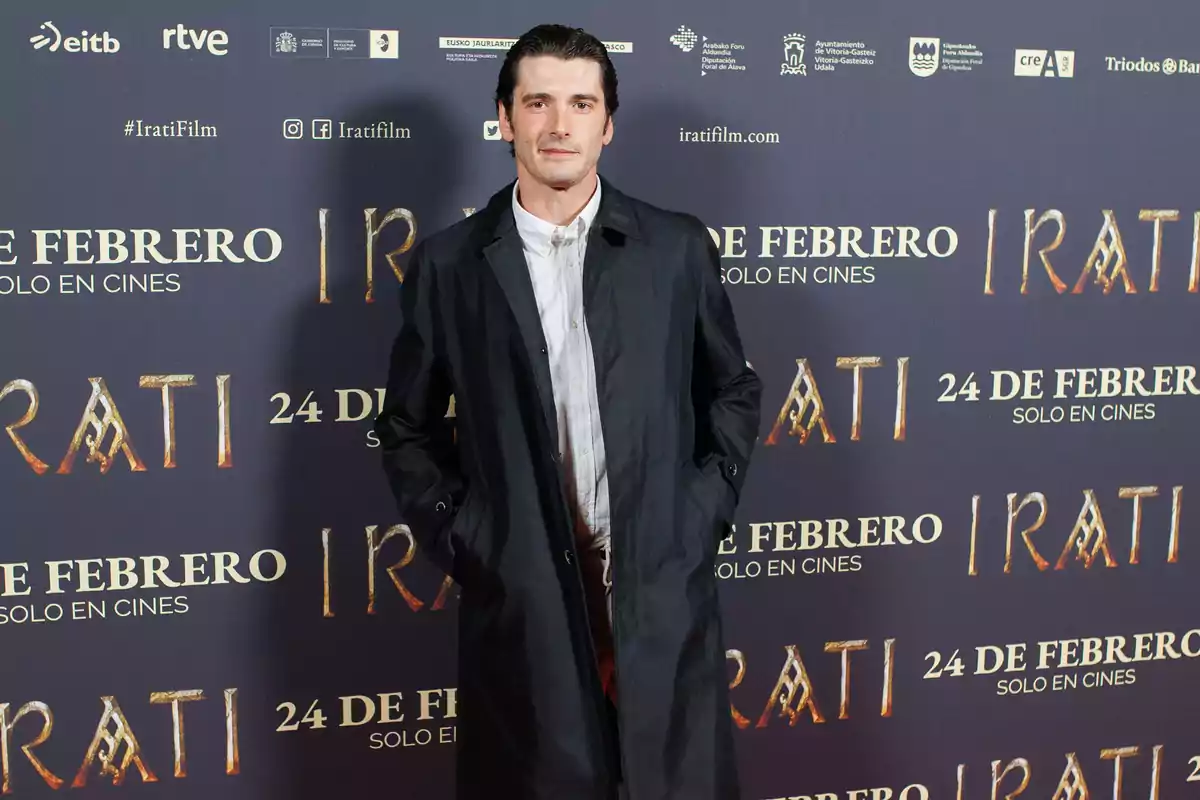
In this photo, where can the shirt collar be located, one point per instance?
(539, 235)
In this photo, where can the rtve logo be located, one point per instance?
(83, 43)
(216, 42)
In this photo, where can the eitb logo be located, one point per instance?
(51, 38)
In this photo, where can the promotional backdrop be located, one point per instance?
(963, 244)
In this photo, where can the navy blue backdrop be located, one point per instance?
(963, 244)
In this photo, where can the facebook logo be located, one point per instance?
(322, 129)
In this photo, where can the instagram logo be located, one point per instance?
(293, 129)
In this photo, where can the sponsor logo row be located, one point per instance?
(285, 42)
(926, 55)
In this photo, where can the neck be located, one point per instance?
(555, 205)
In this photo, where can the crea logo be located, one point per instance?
(52, 39)
(1044, 63)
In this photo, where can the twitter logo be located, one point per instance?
(491, 129)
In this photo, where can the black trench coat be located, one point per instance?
(679, 409)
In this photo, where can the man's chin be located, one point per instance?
(560, 179)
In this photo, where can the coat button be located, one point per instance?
(733, 469)
(543, 351)
(558, 458)
(568, 557)
(440, 507)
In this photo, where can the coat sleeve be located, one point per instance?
(420, 456)
(726, 392)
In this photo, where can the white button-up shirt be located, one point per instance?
(554, 254)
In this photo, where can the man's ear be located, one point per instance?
(608, 129)
(506, 129)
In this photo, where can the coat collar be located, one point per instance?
(615, 213)
(539, 236)
(503, 250)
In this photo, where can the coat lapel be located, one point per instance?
(606, 244)
(609, 301)
(505, 254)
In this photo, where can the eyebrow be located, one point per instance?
(525, 98)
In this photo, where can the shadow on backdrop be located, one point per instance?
(329, 476)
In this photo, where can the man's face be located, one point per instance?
(558, 124)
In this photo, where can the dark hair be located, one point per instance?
(564, 42)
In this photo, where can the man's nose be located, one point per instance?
(558, 126)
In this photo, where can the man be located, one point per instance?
(605, 418)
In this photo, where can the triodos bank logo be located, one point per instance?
(52, 39)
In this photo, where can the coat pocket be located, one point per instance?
(710, 496)
(464, 528)
(699, 503)
(469, 544)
